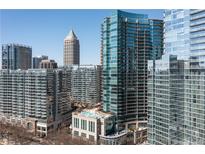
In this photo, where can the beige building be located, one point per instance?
(91, 123)
(48, 64)
(98, 127)
(71, 49)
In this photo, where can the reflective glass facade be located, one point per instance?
(176, 83)
(127, 44)
(15, 56)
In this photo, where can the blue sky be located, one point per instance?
(45, 30)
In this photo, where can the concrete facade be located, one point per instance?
(48, 64)
(90, 123)
(86, 83)
(38, 94)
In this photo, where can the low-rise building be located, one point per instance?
(91, 123)
(100, 127)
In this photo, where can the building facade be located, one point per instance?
(48, 64)
(176, 83)
(35, 98)
(85, 83)
(92, 123)
(71, 49)
(37, 60)
(16, 56)
(127, 45)
(99, 127)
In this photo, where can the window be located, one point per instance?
(76, 133)
(194, 98)
(83, 124)
(43, 128)
(91, 126)
(83, 135)
(194, 122)
(76, 122)
(91, 138)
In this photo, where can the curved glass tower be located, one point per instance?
(127, 44)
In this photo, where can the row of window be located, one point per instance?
(83, 123)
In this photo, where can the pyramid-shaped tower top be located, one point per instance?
(71, 36)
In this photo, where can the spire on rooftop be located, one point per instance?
(71, 36)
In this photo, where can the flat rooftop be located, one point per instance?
(94, 113)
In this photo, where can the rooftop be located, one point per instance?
(71, 36)
(48, 61)
(17, 44)
(85, 66)
(94, 113)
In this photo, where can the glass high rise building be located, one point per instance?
(15, 56)
(176, 83)
(128, 41)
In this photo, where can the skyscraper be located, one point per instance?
(37, 60)
(127, 44)
(71, 49)
(176, 83)
(15, 56)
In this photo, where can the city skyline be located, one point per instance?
(148, 89)
(36, 28)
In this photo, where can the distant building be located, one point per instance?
(129, 40)
(85, 83)
(36, 99)
(16, 56)
(48, 64)
(71, 49)
(37, 60)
